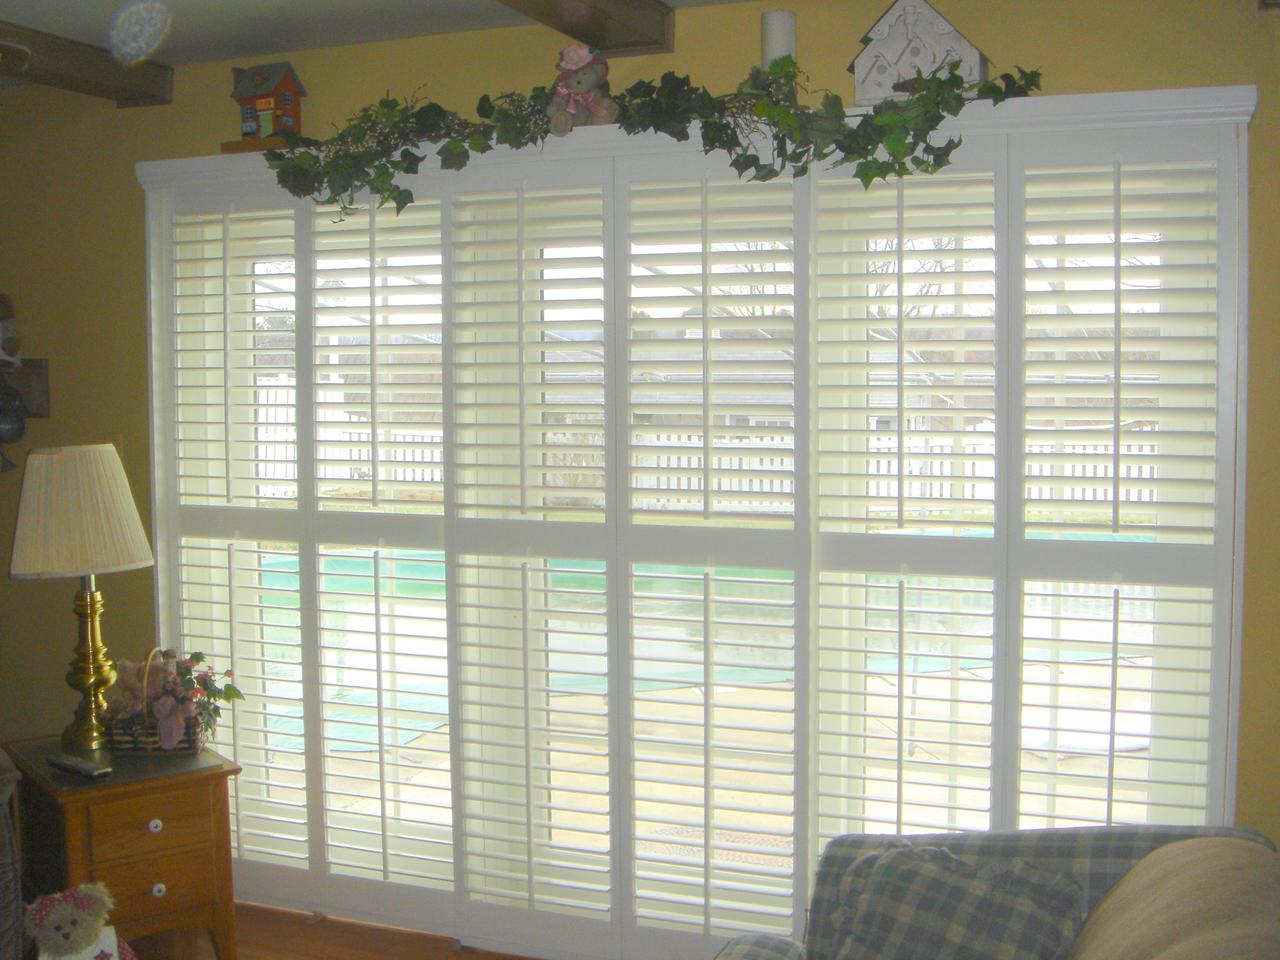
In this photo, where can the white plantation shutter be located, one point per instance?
(904, 305)
(385, 709)
(533, 707)
(1121, 351)
(711, 352)
(714, 747)
(904, 704)
(643, 529)
(1115, 704)
(378, 375)
(239, 606)
(233, 358)
(528, 327)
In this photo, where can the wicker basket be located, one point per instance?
(141, 734)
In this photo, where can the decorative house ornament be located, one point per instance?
(911, 37)
(270, 98)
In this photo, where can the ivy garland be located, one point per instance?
(381, 141)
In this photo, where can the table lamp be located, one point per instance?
(76, 518)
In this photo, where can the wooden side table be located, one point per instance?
(156, 832)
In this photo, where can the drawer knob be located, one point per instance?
(159, 890)
(156, 825)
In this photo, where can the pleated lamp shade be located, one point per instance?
(76, 516)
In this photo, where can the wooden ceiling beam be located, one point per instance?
(70, 65)
(617, 28)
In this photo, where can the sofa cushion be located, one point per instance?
(1096, 857)
(1209, 897)
(922, 903)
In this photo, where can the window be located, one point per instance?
(599, 537)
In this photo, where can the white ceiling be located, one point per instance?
(204, 30)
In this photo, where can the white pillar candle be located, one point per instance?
(777, 36)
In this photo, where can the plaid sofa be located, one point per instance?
(1097, 857)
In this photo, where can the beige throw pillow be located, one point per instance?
(1211, 898)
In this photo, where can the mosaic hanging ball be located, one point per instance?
(137, 30)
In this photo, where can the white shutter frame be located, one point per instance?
(1177, 118)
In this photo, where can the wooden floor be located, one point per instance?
(269, 934)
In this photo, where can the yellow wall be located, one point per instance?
(72, 258)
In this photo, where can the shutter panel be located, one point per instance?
(1121, 352)
(528, 359)
(240, 605)
(903, 704)
(534, 699)
(713, 729)
(233, 354)
(904, 300)
(1115, 708)
(385, 704)
(711, 353)
(378, 405)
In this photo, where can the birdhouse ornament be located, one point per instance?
(270, 98)
(911, 37)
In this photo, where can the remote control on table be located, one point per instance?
(92, 767)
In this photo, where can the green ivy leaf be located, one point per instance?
(410, 161)
(453, 155)
(896, 143)
(382, 181)
(783, 66)
(428, 120)
(719, 135)
(640, 90)
(401, 198)
(743, 162)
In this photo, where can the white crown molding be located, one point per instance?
(1141, 108)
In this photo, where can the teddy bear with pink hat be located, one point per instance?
(581, 95)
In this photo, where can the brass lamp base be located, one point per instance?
(91, 672)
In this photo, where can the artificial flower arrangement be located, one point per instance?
(167, 704)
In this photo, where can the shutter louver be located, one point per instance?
(378, 374)
(534, 707)
(233, 357)
(1121, 352)
(528, 357)
(385, 705)
(239, 605)
(711, 353)
(713, 729)
(903, 704)
(904, 303)
(1115, 704)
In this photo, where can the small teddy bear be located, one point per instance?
(581, 93)
(71, 925)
